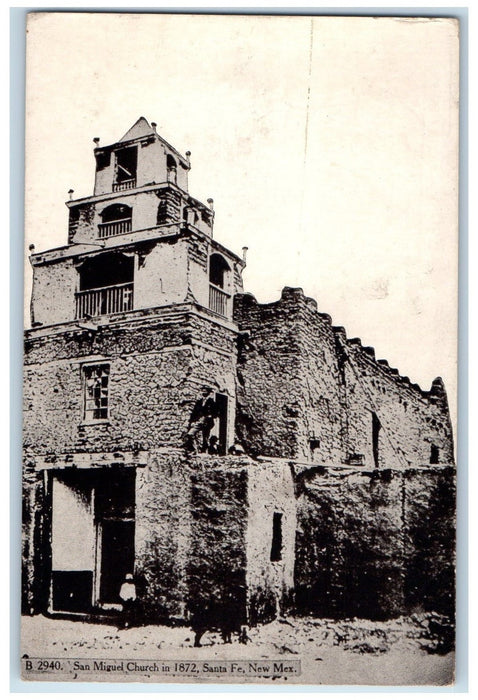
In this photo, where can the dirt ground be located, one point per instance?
(405, 651)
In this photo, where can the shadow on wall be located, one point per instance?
(374, 547)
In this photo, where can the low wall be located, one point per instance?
(375, 544)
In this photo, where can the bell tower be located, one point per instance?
(139, 242)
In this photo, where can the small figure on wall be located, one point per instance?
(201, 421)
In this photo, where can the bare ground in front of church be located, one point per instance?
(404, 651)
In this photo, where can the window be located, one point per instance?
(434, 454)
(375, 439)
(314, 444)
(218, 272)
(276, 549)
(96, 380)
(125, 171)
(218, 268)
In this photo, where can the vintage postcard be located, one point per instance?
(240, 349)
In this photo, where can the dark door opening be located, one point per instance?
(115, 506)
(434, 454)
(221, 408)
(375, 439)
(117, 557)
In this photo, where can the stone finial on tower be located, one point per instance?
(154, 125)
(96, 141)
(70, 193)
(210, 201)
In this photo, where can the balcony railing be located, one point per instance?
(114, 228)
(124, 185)
(218, 300)
(104, 300)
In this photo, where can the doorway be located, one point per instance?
(114, 515)
(221, 408)
(117, 557)
(92, 537)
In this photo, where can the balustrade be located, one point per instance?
(218, 299)
(104, 300)
(114, 228)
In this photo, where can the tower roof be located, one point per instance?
(142, 128)
(139, 129)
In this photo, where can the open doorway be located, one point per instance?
(92, 537)
(219, 434)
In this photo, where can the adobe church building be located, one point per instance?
(337, 497)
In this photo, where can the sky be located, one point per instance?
(329, 146)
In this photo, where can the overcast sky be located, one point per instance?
(329, 146)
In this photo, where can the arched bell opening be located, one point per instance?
(115, 220)
(172, 168)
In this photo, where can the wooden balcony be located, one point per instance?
(104, 300)
(218, 299)
(114, 228)
(124, 185)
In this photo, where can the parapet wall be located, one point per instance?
(204, 529)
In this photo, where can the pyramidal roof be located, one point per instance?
(138, 130)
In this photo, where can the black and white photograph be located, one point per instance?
(240, 349)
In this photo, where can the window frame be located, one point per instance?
(90, 419)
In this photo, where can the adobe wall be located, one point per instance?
(85, 217)
(290, 399)
(308, 393)
(156, 372)
(412, 420)
(200, 248)
(203, 532)
(53, 292)
(165, 271)
(151, 165)
(429, 535)
(375, 544)
(270, 583)
(160, 275)
(35, 547)
(191, 519)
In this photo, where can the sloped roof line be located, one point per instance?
(140, 128)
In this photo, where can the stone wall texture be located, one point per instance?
(156, 371)
(306, 392)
